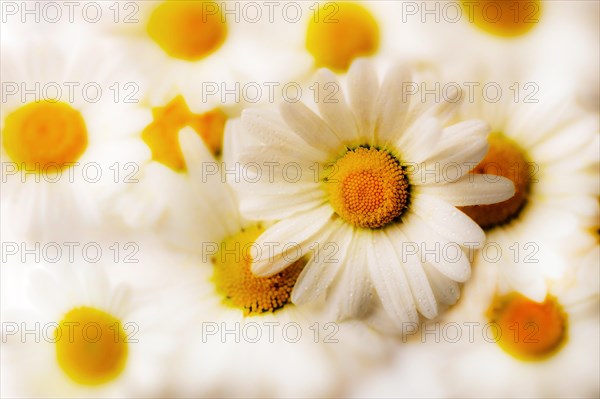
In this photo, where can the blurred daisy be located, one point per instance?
(517, 342)
(368, 180)
(535, 145)
(240, 324)
(163, 174)
(195, 47)
(92, 338)
(62, 152)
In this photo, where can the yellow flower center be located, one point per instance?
(162, 135)
(340, 32)
(243, 290)
(91, 346)
(504, 158)
(37, 135)
(505, 18)
(367, 187)
(188, 30)
(530, 330)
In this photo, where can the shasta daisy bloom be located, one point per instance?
(65, 136)
(88, 337)
(365, 182)
(236, 323)
(200, 48)
(536, 145)
(163, 170)
(536, 346)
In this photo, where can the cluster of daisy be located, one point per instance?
(289, 198)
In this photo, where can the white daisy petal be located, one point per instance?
(448, 163)
(445, 290)
(273, 207)
(392, 105)
(473, 189)
(355, 285)
(290, 231)
(323, 267)
(309, 126)
(413, 267)
(448, 221)
(269, 129)
(416, 143)
(333, 107)
(389, 280)
(447, 256)
(363, 86)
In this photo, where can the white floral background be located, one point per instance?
(153, 153)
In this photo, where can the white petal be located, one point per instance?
(416, 144)
(389, 280)
(333, 107)
(310, 127)
(472, 189)
(300, 229)
(392, 105)
(274, 207)
(448, 257)
(270, 131)
(446, 220)
(355, 289)
(446, 291)
(326, 263)
(363, 87)
(413, 267)
(453, 158)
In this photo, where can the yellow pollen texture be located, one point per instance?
(339, 32)
(530, 330)
(367, 188)
(41, 134)
(505, 18)
(243, 290)
(504, 158)
(162, 135)
(186, 29)
(91, 346)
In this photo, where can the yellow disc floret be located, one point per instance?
(40, 134)
(505, 18)
(504, 158)
(91, 346)
(186, 29)
(340, 32)
(529, 330)
(367, 187)
(243, 290)
(162, 135)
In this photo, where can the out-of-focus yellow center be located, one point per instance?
(187, 29)
(162, 135)
(40, 134)
(367, 187)
(340, 32)
(91, 346)
(530, 330)
(505, 18)
(504, 158)
(243, 290)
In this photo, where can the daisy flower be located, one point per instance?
(536, 145)
(80, 335)
(195, 47)
(66, 132)
(520, 346)
(219, 293)
(163, 170)
(367, 179)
